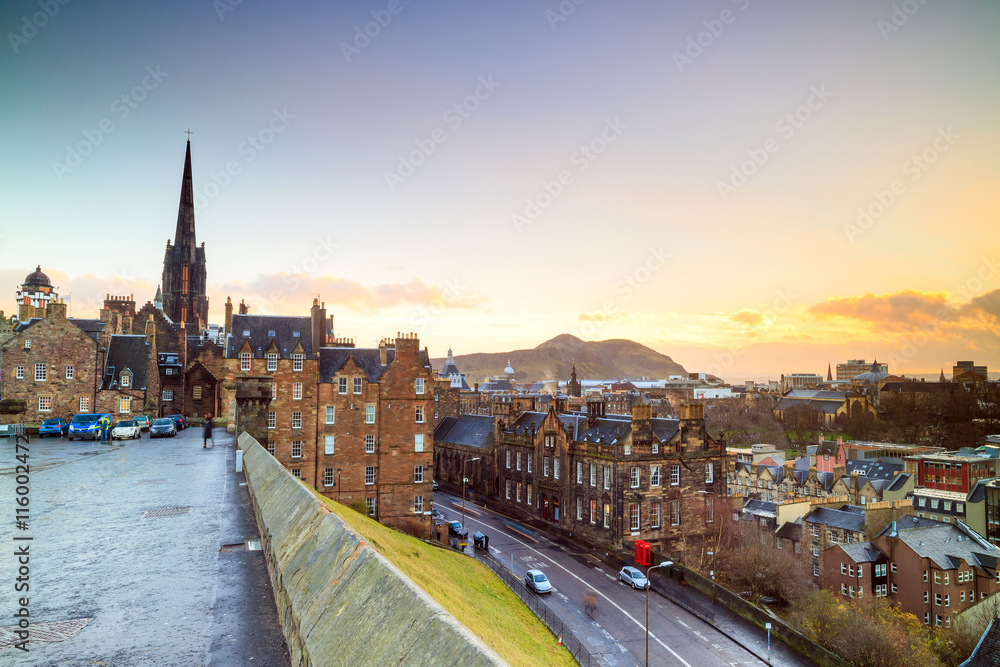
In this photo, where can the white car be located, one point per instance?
(127, 428)
(537, 581)
(634, 577)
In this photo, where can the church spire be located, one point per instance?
(184, 236)
(829, 372)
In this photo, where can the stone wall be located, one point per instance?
(340, 602)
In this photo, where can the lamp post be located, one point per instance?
(666, 563)
(338, 485)
(463, 487)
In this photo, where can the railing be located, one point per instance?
(11, 430)
(573, 644)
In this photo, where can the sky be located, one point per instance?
(753, 188)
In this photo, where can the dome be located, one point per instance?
(38, 278)
(509, 370)
(874, 376)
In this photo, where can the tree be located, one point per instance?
(761, 569)
(740, 423)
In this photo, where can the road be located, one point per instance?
(617, 629)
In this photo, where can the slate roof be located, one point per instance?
(825, 406)
(816, 394)
(499, 384)
(467, 430)
(21, 326)
(874, 469)
(790, 531)
(987, 651)
(836, 519)
(899, 481)
(861, 552)
(89, 327)
(919, 387)
(761, 508)
(978, 493)
(259, 327)
(910, 522)
(126, 352)
(332, 359)
(948, 545)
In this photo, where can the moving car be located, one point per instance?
(634, 577)
(434, 485)
(179, 421)
(162, 427)
(56, 427)
(537, 581)
(85, 426)
(456, 529)
(127, 428)
(143, 421)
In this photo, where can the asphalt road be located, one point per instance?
(617, 629)
(113, 585)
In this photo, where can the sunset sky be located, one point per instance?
(753, 188)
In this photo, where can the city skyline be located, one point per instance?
(750, 189)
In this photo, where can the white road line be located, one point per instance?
(700, 636)
(682, 622)
(582, 581)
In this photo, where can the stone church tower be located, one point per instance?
(184, 275)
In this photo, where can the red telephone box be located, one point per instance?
(643, 555)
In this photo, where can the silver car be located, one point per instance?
(537, 581)
(634, 577)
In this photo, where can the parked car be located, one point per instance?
(127, 428)
(56, 427)
(85, 426)
(537, 581)
(143, 421)
(456, 529)
(634, 577)
(162, 428)
(436, 514)
(179, 421)
(434, 485)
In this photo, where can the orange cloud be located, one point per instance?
(988, 303)
(747, 317)
(901, 310)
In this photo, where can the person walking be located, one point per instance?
(206, 432)
(105, 428)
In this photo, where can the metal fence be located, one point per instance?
(537, 605)
(10, 430)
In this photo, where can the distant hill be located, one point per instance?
(553, 360)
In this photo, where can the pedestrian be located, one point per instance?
(206, 432)
(105, 428)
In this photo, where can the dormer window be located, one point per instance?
(270, 333)
(246, 333)
(295, 334)
(27, 344)
(126, 379)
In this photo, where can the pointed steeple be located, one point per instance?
(184, 236)
(941, 379)
(158, 299)
(829, 372)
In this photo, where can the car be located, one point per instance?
(436, 514)
(86, 426)
(162, 428)
(179, 421)
(127, 428)
(537, 581)
(55, 426)
(434, 485)
(143, 421)
(456, 529)
(634, 577)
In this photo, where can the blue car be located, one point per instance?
(55, 427)
(86, 426)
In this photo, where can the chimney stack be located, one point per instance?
(229, 316)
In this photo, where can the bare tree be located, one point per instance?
(760, 569)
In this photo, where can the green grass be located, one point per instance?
(466, 588)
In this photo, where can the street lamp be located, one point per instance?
(338, 485)
(463, 487)
(666, 563)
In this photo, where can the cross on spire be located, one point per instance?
(189, 133)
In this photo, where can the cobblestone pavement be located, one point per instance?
(114, 579)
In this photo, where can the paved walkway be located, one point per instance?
(126, 566)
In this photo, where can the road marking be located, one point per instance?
(682, 622)
(700, 636)
(582, 581)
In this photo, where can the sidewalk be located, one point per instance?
(127, 565)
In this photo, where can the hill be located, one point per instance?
(553, 360)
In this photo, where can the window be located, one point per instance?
(531, 457)
(894, 588)
(555, 474)
(169, 371)
(296, 391)
(710, 473)
(126, 380)
(327, 476)
(947, 600)
(84, 404)
(420, 385)
(634, 477)
(709, 510)
(196, 392)
(27, 344)
(927, 618)
(331, 414)
(357, 385)
(656, 447)
(579, 472)
(418, 414)
(274, 390)
(272, 420)
(418, 504)
(815, 570)
(518, 492)
(963, 596)
(925, 575)
(843, 569)
(947, 576)
(880, 570)
(44, 403)
(506, 489)
(296, 419)
(654, 475)
(937, 577)
(370, 502)
(529, 494)
(40, 373)
(843, 589)
(518, 461)
(19, 372)
(296, 334)
(579, 508)
(418, 442)
(341, 385)
(960, 507)
(593, 474)
(850, 591)
(297, 362)
(69, 372)
(675, 475)
(815, 528)
(545, 465)
(508, 459)
(328, 444)
(244, 361)
(125, 404)
(270, 448)
(272, 362)
(246, 333)
(607, 515)
(550, 441)
(607, 477)
(937, 599)
(369, 444)
(654, 515)
(418, 474)
(815, 550)
(892, 566)
(297, 473)
(369, 414)
(675, 512)
(296, 449)
(168, 395)
(628, 448)
(369, 475)
(633, 516)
